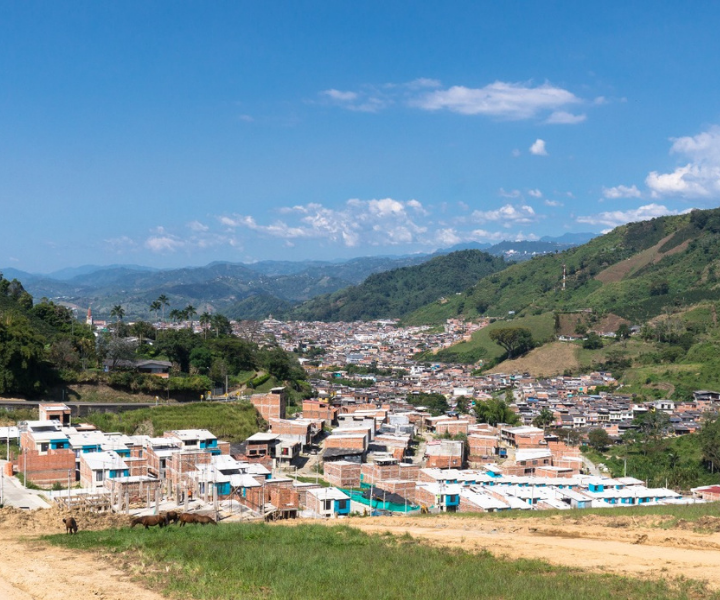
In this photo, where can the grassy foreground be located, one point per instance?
(314, 561)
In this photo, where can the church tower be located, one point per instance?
(89, 318)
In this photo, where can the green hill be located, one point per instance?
(396, 293)
(636, 271)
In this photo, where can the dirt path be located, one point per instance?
(31, 569)
(615, 545)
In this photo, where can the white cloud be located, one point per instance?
(535, 193)
(620, 217)
(340, 95)
(515, 153)
(553, 203)
(198, 227)
(163, 243)
(622, 191)
(507, 214)
(511, 194)
(561, 117)
(538, 148)
(500, 99)
(699, 178)
(374, 222)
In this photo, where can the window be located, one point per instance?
(98, 475)
(342, 504)
(327, 504)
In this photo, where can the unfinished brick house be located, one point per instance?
(275, 499)
(444, 454)
(54, 412)
(318, 410)
(271, 405)
(46, 468)
(343, 474)
(483, 449)
(522, 437)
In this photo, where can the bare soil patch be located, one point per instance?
(33, 570)
(550, 359)
(630, 546)
(619, 271)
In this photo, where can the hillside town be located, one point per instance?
(362, 444)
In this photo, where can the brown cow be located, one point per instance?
(70, 525)
(194, 518)
(150, 521)
(173, 516)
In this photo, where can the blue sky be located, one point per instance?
(178, 133)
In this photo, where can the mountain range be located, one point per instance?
(238, 290)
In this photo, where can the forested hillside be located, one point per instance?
(396, 293)
(636, 271)
(43, 346)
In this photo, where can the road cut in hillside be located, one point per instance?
(630, 546)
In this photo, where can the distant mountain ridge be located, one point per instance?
(396, 293)
(240, 290)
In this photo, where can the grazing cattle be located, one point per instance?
(150, 521)
(194, 518)
(173, 516)
(70, 525)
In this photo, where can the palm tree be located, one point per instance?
(155, 307)
(205, 320)
(163, 300)
(175, 315)
(189, 311)
(118, 312)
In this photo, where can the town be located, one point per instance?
(363, 444)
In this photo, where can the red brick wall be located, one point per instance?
(354, 443)
(270, 406)
(342, 475)
(452, 427)
(46, 469)
(373, 473)
(444, 462)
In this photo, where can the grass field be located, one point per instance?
(314, 561)
(229, 421)
(545, 361)
(481, 347)
(689, 512)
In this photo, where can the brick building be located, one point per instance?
(271, 405)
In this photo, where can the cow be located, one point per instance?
(70, 525)
(195, 518)
(150, 521)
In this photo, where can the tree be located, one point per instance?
(593, 341)
(436, 403)
(623, 331)
(163, 300)
(142, 330)
(515, 340)
(651, 426)
(189, 312)
(118, 312)
(462, 405)
(710, 442)
(599, 440)
(205, 320)
(544, 419)
(221, 325)
(155, 307)
(496, 411)
(175, 315)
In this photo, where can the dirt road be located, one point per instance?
(33, 570)
(637, 547)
